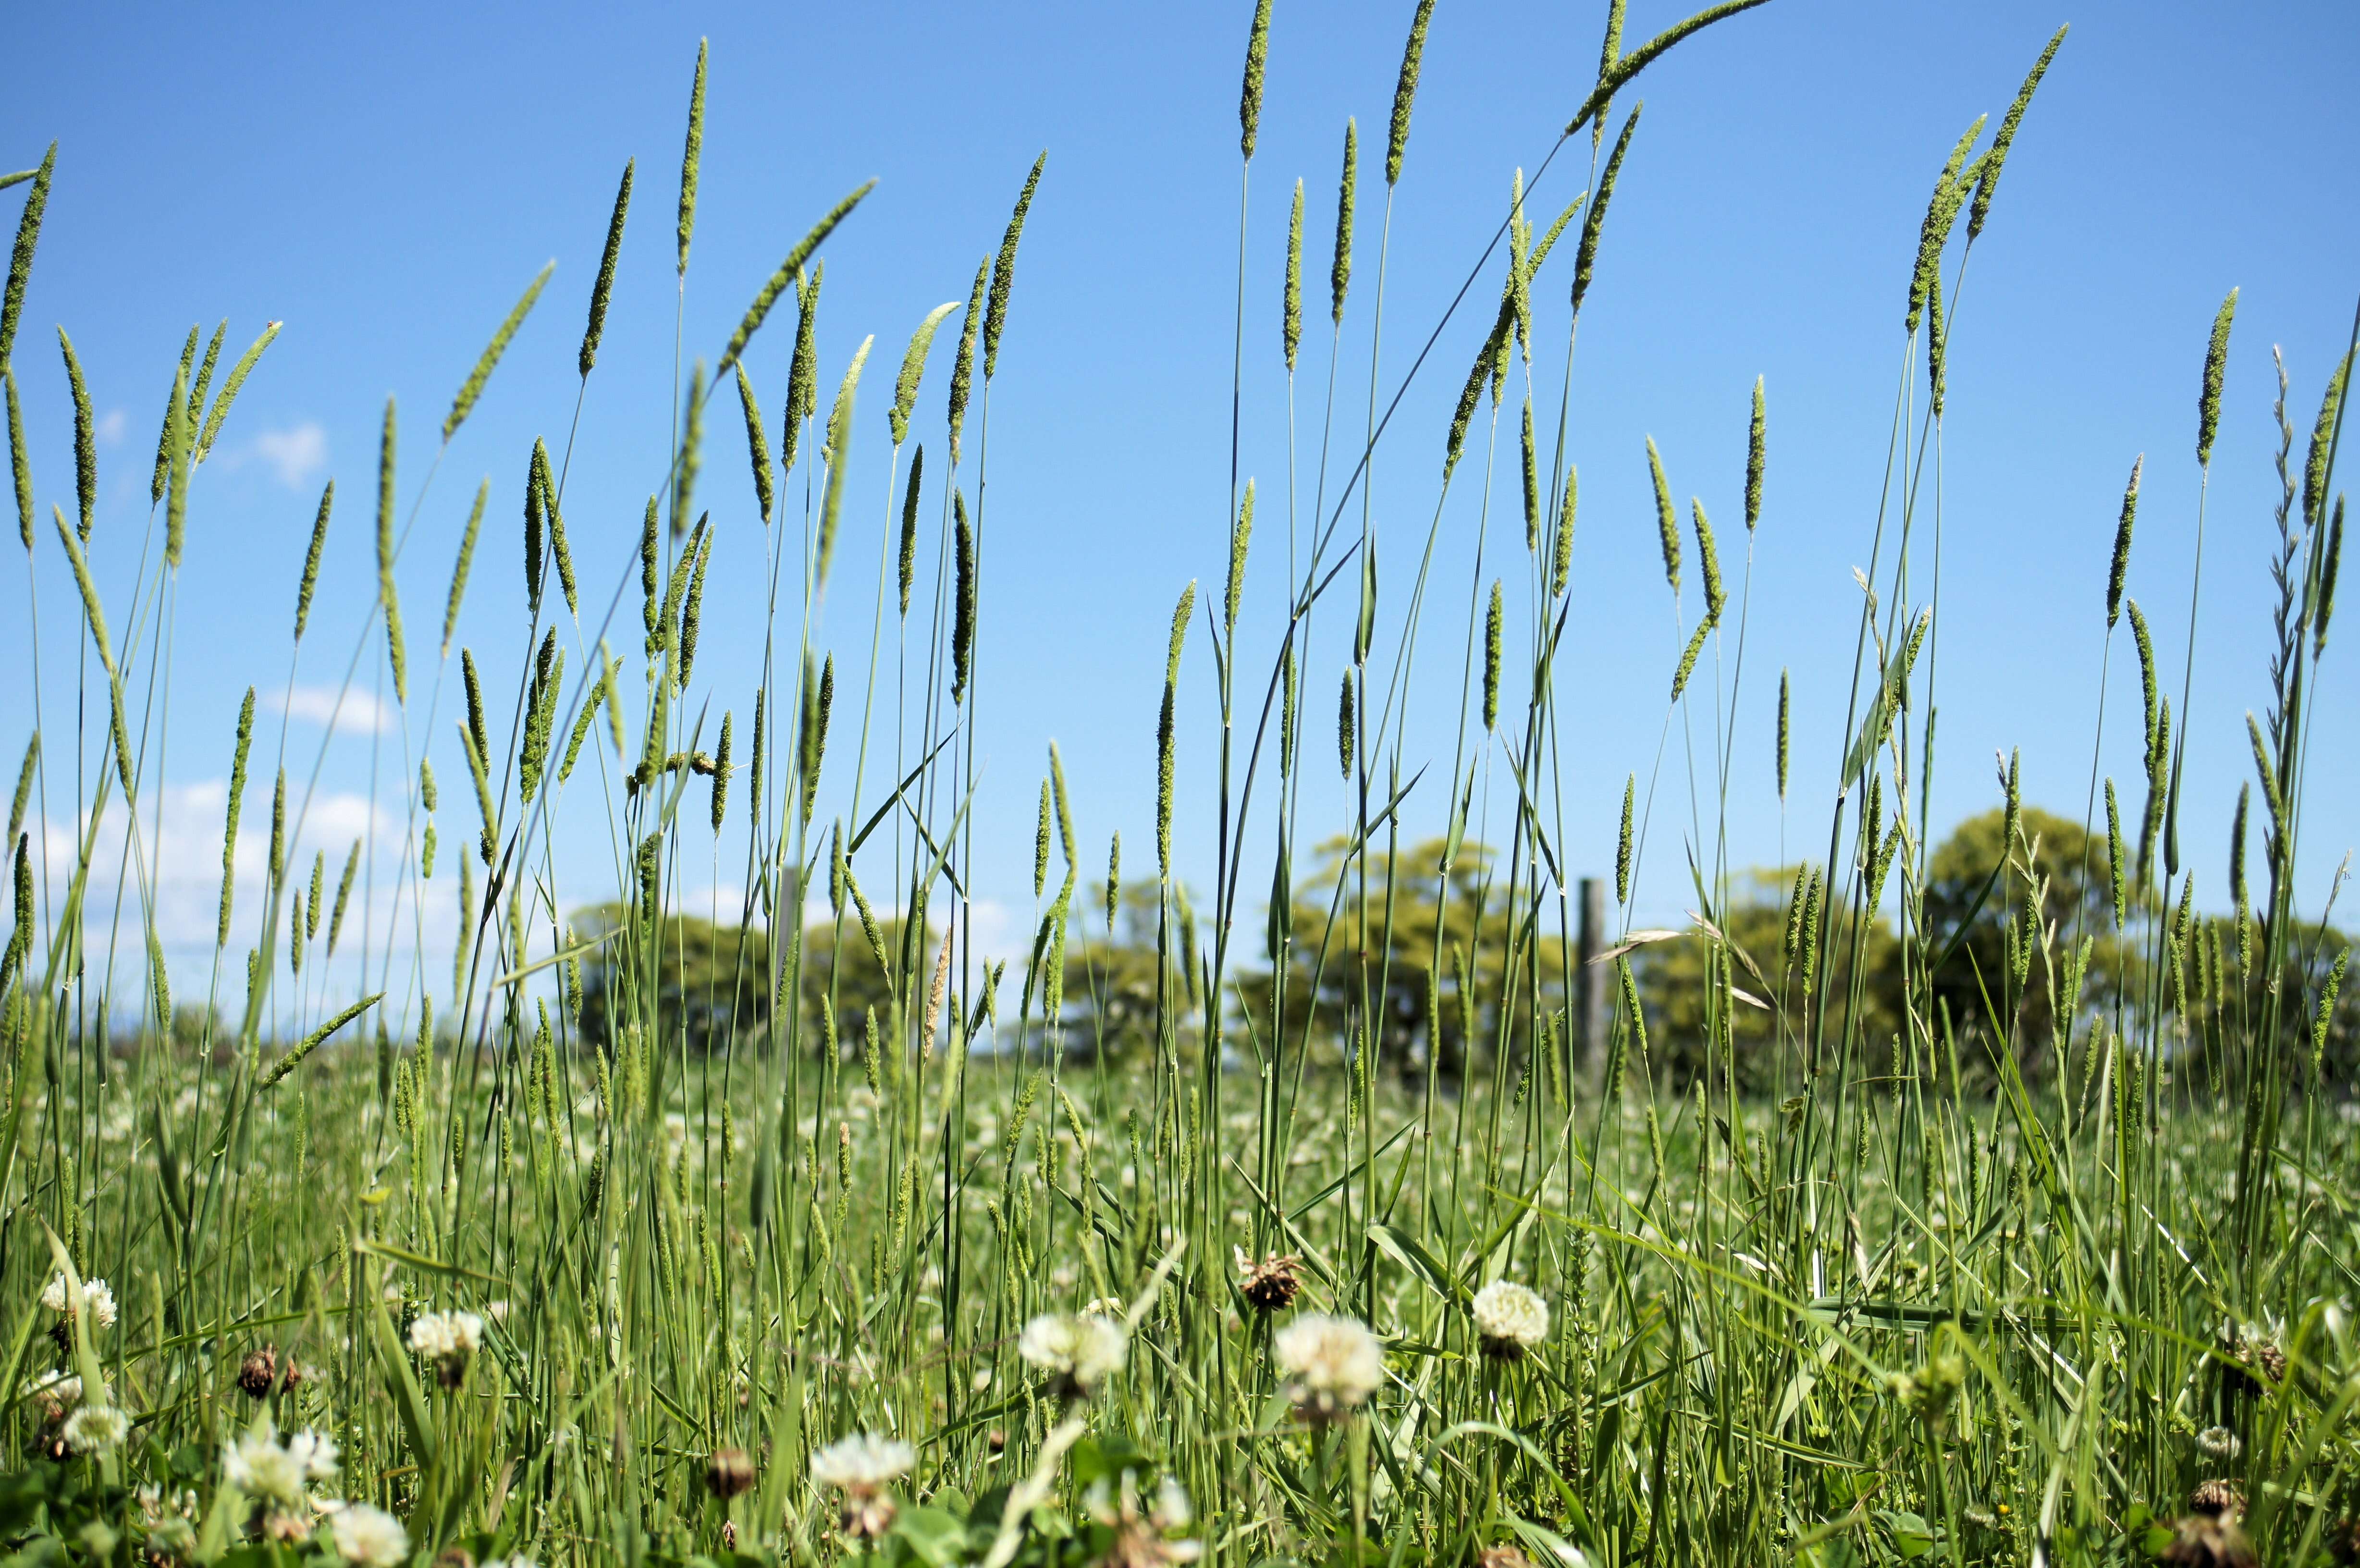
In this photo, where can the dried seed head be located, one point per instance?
(1270, 1285)
(2216, 1498)
(258, 1372)
(2201, 1543)
(729, 1472)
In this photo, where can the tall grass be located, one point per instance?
(663, 1233)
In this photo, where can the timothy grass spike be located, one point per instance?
(2005, 137)
(1249, 95)
(1340, 272)
(387, 597)
(803, 374)
(757, 445)
(229, 827)
(1491, 632)
(1668, 521)
(2118, 575)
(1405, 92)
(1756, 457)
(20, 259)
(1003, 271)
(602, 290)
(914, 368)
(2216, 367)
(237, 374)
(472, 389)
(1291, 301)
(1622, 842)
(963, 599)
(787, 272)
(691, 154)
(1594, 221)
(909, 556)
(1562, 570)
(85, 440)
(838, 455)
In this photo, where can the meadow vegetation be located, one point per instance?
(1988, 1201)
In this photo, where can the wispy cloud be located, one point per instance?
(357, 714)
(111, 426)
(297, 456)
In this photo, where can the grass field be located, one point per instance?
(1982, 1203)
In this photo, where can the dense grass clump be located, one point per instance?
(1982, 1202)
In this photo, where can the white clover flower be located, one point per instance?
(57, 1392)
(1078, 1351)
(315, 1452)
(439, 1336)
(259, 1465)
(863, 1465)
(370, 1537)
(1511, 1319)
(1334, 1364)
(94, 1428)
(449, 1340)
(95, 1294)
(2218, 1442)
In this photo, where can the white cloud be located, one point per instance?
(297, 455)
(359, 713)
(111, 426)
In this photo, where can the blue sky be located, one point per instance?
(387, 181)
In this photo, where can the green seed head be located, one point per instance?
(470, 390)
(2119, 574)
(1405, 92)
(1344, 725)
(1783, 711)
(691, 154)
(2006, 137)
(914, 369)
(1339, 275)
(1593, 222)
(802, 376)
(1240, 534)
(909, 528)
(603, 290)
(459, 567)
(1562, 570)
(1250, 97)
(2217, 367)
(1668, 522)
(1003, 271)
(2323, 446)
(1291, 304)
(20, 260)
(85, 436)
(1756, 459)
(963, 364)
(1623, 843)
(1491, 632)
(757, 443)
(963, 601)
